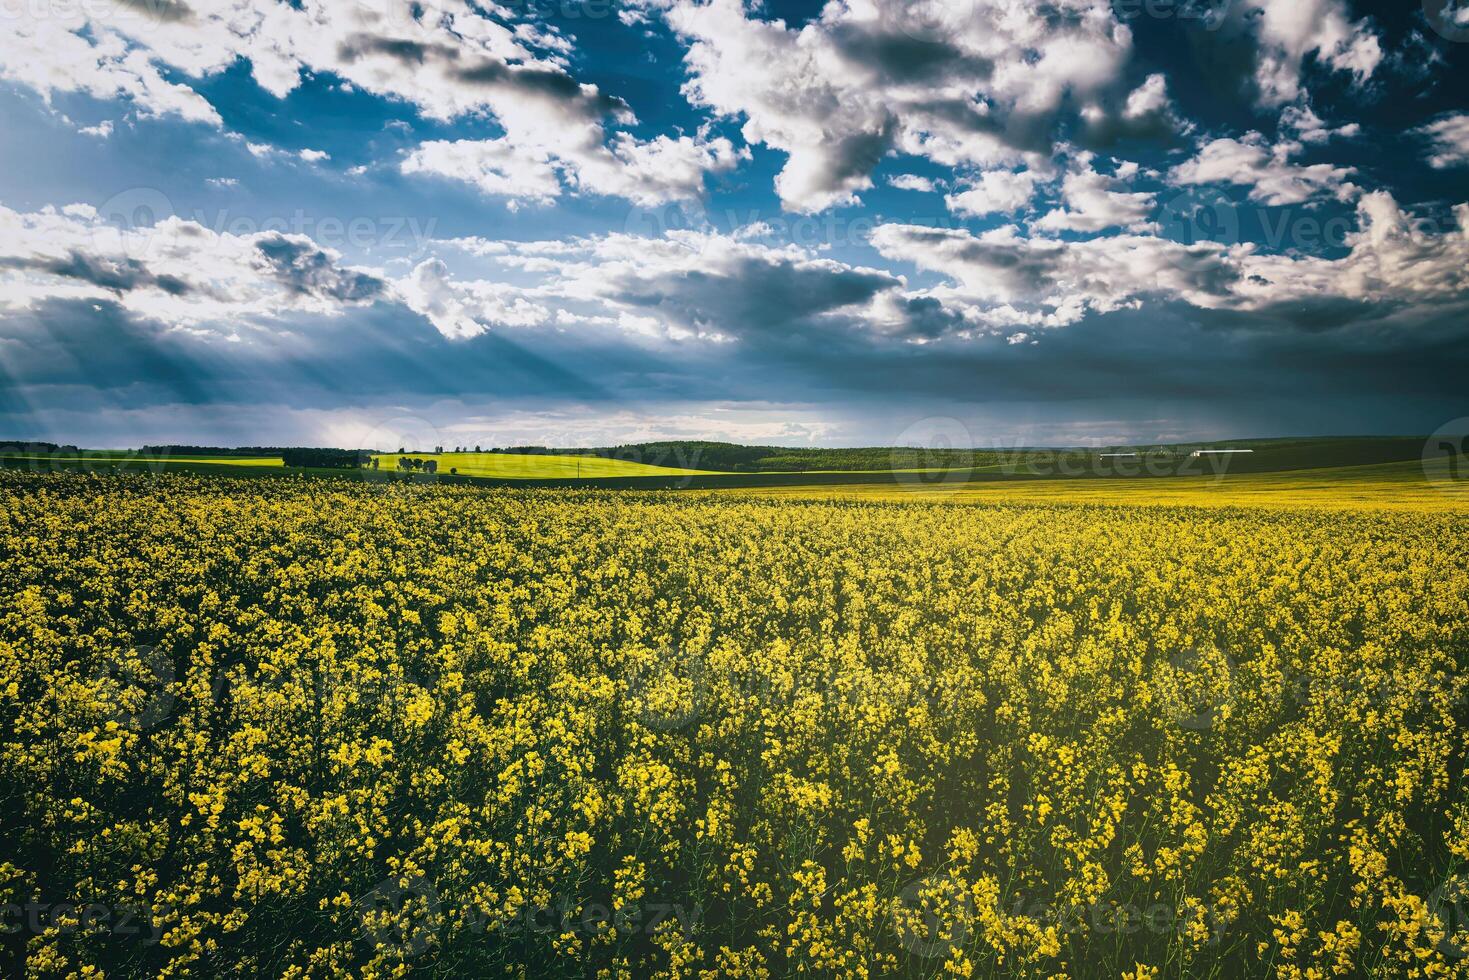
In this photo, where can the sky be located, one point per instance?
(382, 223)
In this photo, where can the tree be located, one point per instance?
(337, 459)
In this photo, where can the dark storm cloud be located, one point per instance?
(926, 318)
(165, 11)
(901, 57)
(749, 294)
(383, 355)
(306, 270)
(118, 274)
(521, 81)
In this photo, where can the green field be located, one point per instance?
(510, 466)
(1328, 472)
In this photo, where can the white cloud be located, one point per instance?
(450, 59)
(911, 182)
(1016, 280)
(496, 167)
(1448, 140)
(995, 192)
(645, 172)
(61, 50)
(980, 83)
(1148, 113)
(1302, 122)
(1267, 170)
(1094, 202)
(178, 272)
(1392, 259)
(1292, 33)
(447, 59)
(460, 309)
(102, 130)
(1004, 278)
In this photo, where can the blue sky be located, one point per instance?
(582, 223)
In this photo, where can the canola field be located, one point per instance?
(316, 729)
(1417, 486)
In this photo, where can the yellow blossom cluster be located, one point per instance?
(301, 728)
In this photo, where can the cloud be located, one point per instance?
(177, 272)
(463, 309)
(495, 167)
(982, 84)
(995, 192)
(1005, 278)
(911, 182)
(448, 61)
(64, 51)
(1448, 140)
(1268, 171)
(1094, 202)
(451, 60)
(116, 274)
(305, 269)
(718, 287)
(1393, 263)
(1148, 113)
(1290, 34)
(1302, 122)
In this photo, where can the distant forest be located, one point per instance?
(785, 459)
